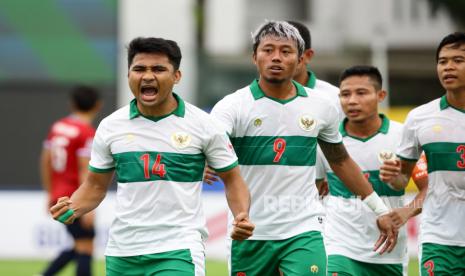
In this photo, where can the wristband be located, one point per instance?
(376, 204)
(64, 217)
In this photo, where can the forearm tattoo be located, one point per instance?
(334, 153)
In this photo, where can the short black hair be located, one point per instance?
(363, 70)
(304, 33)
(152, 45)
(84, 98)
(457, 39)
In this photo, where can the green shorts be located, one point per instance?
(339, 265)
(301, 255)
(437, 259)
(176, 262)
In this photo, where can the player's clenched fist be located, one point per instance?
(242, 227)
(62, 211)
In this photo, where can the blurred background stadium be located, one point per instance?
(48, 46)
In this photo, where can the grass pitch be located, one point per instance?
(34, 267)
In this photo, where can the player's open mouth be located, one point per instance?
(449, 78)
(276, 69)
(148, 92)
(353, 112)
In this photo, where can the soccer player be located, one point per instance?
(63, 166)
(274, 124)
(438, 129)
(370, 138)
(157, 145)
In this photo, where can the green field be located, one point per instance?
(31, 267)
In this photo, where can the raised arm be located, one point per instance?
(86, 198)
(238, 197)
(420, 178)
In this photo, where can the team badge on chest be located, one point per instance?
(257, 122)
(180, 140)
(386, 155)
(307, 123)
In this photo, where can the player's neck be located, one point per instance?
(86, 117)
(456, 99)
(302, 78)
(166, 107)
(365, 128)
(283, 91)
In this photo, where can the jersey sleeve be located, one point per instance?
(409, 148)
(321, 165)
(219, 150)
(329, 132)
(101, 159)
(224, 113)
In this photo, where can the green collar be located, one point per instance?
(311, 80)
(258, 93)
(384, 128)
(443, 104)
(179, 111)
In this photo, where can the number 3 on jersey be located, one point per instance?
(157, 168)
(279, 146)
(461, 150)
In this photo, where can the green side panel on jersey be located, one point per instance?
(445, 156)
(177, 167)
(264, 150)
(337, 187)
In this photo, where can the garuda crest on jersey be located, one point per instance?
(386, 155)
(180, 139)
(307, 123)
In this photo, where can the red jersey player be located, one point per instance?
(63, 165)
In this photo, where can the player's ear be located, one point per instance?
(308, 55)
(254, 58)
(177, 76)
(381, 95)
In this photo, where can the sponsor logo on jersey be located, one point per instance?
(386, 155)
(130, 137)
(257, 122)
(307, 123)
(181, 139)
(437, 128)
(314, 269)
(240, 274)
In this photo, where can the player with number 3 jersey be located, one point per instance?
(438, 129)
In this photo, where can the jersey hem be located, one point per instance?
(97, 170)
(281, 237)
(117, 253)
(407, 159)
(443, 242)
(368, 260)
(230, 167)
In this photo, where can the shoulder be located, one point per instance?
(318, 96)
(118, 115)
(237, 96)
(195, 113)
(425, 109)
(326, 86)
(395, 126)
